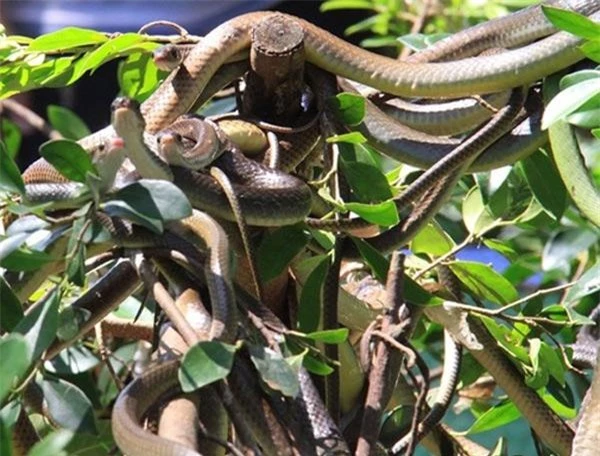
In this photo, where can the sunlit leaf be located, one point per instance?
(350, 108)
(499, 415)
(383, 214)
(568, 100)
(433, 240)
(484, 282)
(54, 444)
(587, 284)
(572, 22)
(65, 39)
(330, 336)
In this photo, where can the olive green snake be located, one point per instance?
(477, 75)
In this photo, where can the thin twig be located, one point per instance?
(31, 118)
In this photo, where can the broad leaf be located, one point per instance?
(309, 306)
(278, 248)
(11, 136)
(275, 370)
(69, 158)
(65, 39)
(484, 282)
(149, 202)
(17, 360)
(54, 444)
(503, 413)
(329, 336)
(545, 182)
(350, 108)
(587, 284)
(67, 122)
(205, 363)
(10, 176)
(384, 214)
(69, 406)
(11, 311)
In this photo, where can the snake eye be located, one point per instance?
(101, 147)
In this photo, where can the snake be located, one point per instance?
(484, 74)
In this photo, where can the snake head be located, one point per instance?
(167, 57)
(126, 117)
(190, 142)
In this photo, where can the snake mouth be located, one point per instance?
(117, 143)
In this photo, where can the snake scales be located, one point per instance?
(476, 75)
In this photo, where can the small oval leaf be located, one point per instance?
(205, 363)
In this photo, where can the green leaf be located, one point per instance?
(476, 217)
(205, 363)
(65, 39)
(109, 50)
(69, 158)
(5, 438)
(350, 108)
(72, 361)
(484, 282)
(10, 310)
(565, 245)
(374, 259)
(329, 336)
(353, 137)
(433, 240)
(368, 182)
(545, 182)
(331, 5)
(274, 370)
(69, 406)
(572, 22)
(277, 249)
(67, 122)
(76, 254)
(499, 415)
(591, 49)
(383, 214)
(10, 176)
(39, 325)
(138, 76)
(149, 202)
(539, 375)
(24, 259)
(316, 366)
(53, 444)
(14, 350)
(12, 243)
(309, 306)
(11, 135)
(511, 342)
(568, 100)
(418, 41)
(587, 284)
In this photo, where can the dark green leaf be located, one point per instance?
(587, 284)
(503, 413)
(330, 336)
(39, 325)
(309, 306)
(17, 360)
(316, 366)
(66, 38)
(205, 363)
(72, 361)
(350, 108)
(67, 122)
(539, 376)
(274, 370)
(11, 311)
(551, 361)
(384, 214)
(484, 282)
(26, 260)
(149, 202)
(76, 254)
(572, 22)
(278, 248)
(53, 444)
(368, 183)
(5, 438)
(69, 406)
(10, 176)
(376, 261)
(11, 135)
(545, 182)
(565, 245)
(69, 158)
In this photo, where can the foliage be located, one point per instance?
(521, 215)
